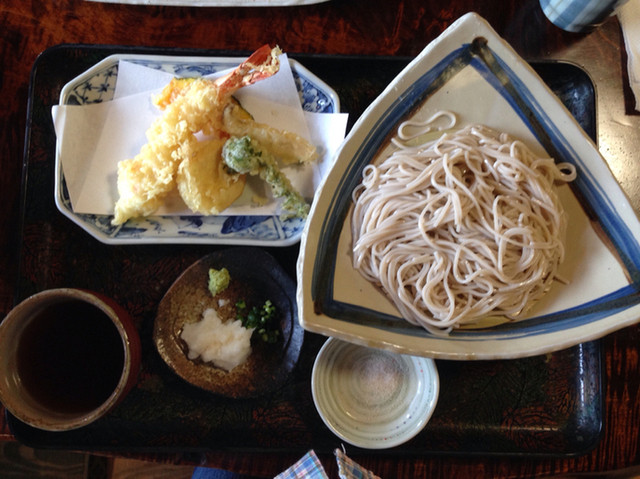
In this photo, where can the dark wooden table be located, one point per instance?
(345, 27)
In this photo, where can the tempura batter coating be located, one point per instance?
(190, 107)
(205, 185)
(287, 146)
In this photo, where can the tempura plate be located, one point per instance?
(470, 70)
(98, 85)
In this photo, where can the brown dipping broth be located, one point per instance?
(71, 357)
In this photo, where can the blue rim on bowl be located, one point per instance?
(471, 71)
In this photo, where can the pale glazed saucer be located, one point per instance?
(372, 398)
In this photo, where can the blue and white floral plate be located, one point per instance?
(98, 84)
(470, 70)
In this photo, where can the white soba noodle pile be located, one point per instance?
(460, 227)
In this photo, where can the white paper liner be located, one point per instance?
(93, 138)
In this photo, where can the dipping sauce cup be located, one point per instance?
(67, 358)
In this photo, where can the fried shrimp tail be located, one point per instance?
(262, 63)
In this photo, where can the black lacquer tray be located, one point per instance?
(546, 405)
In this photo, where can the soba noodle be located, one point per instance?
(460, 227)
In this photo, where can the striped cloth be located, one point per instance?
(579, 15)
(349, 469)
(310, 467)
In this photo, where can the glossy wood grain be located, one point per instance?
(358, 27)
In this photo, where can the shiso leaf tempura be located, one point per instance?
(245, 155)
